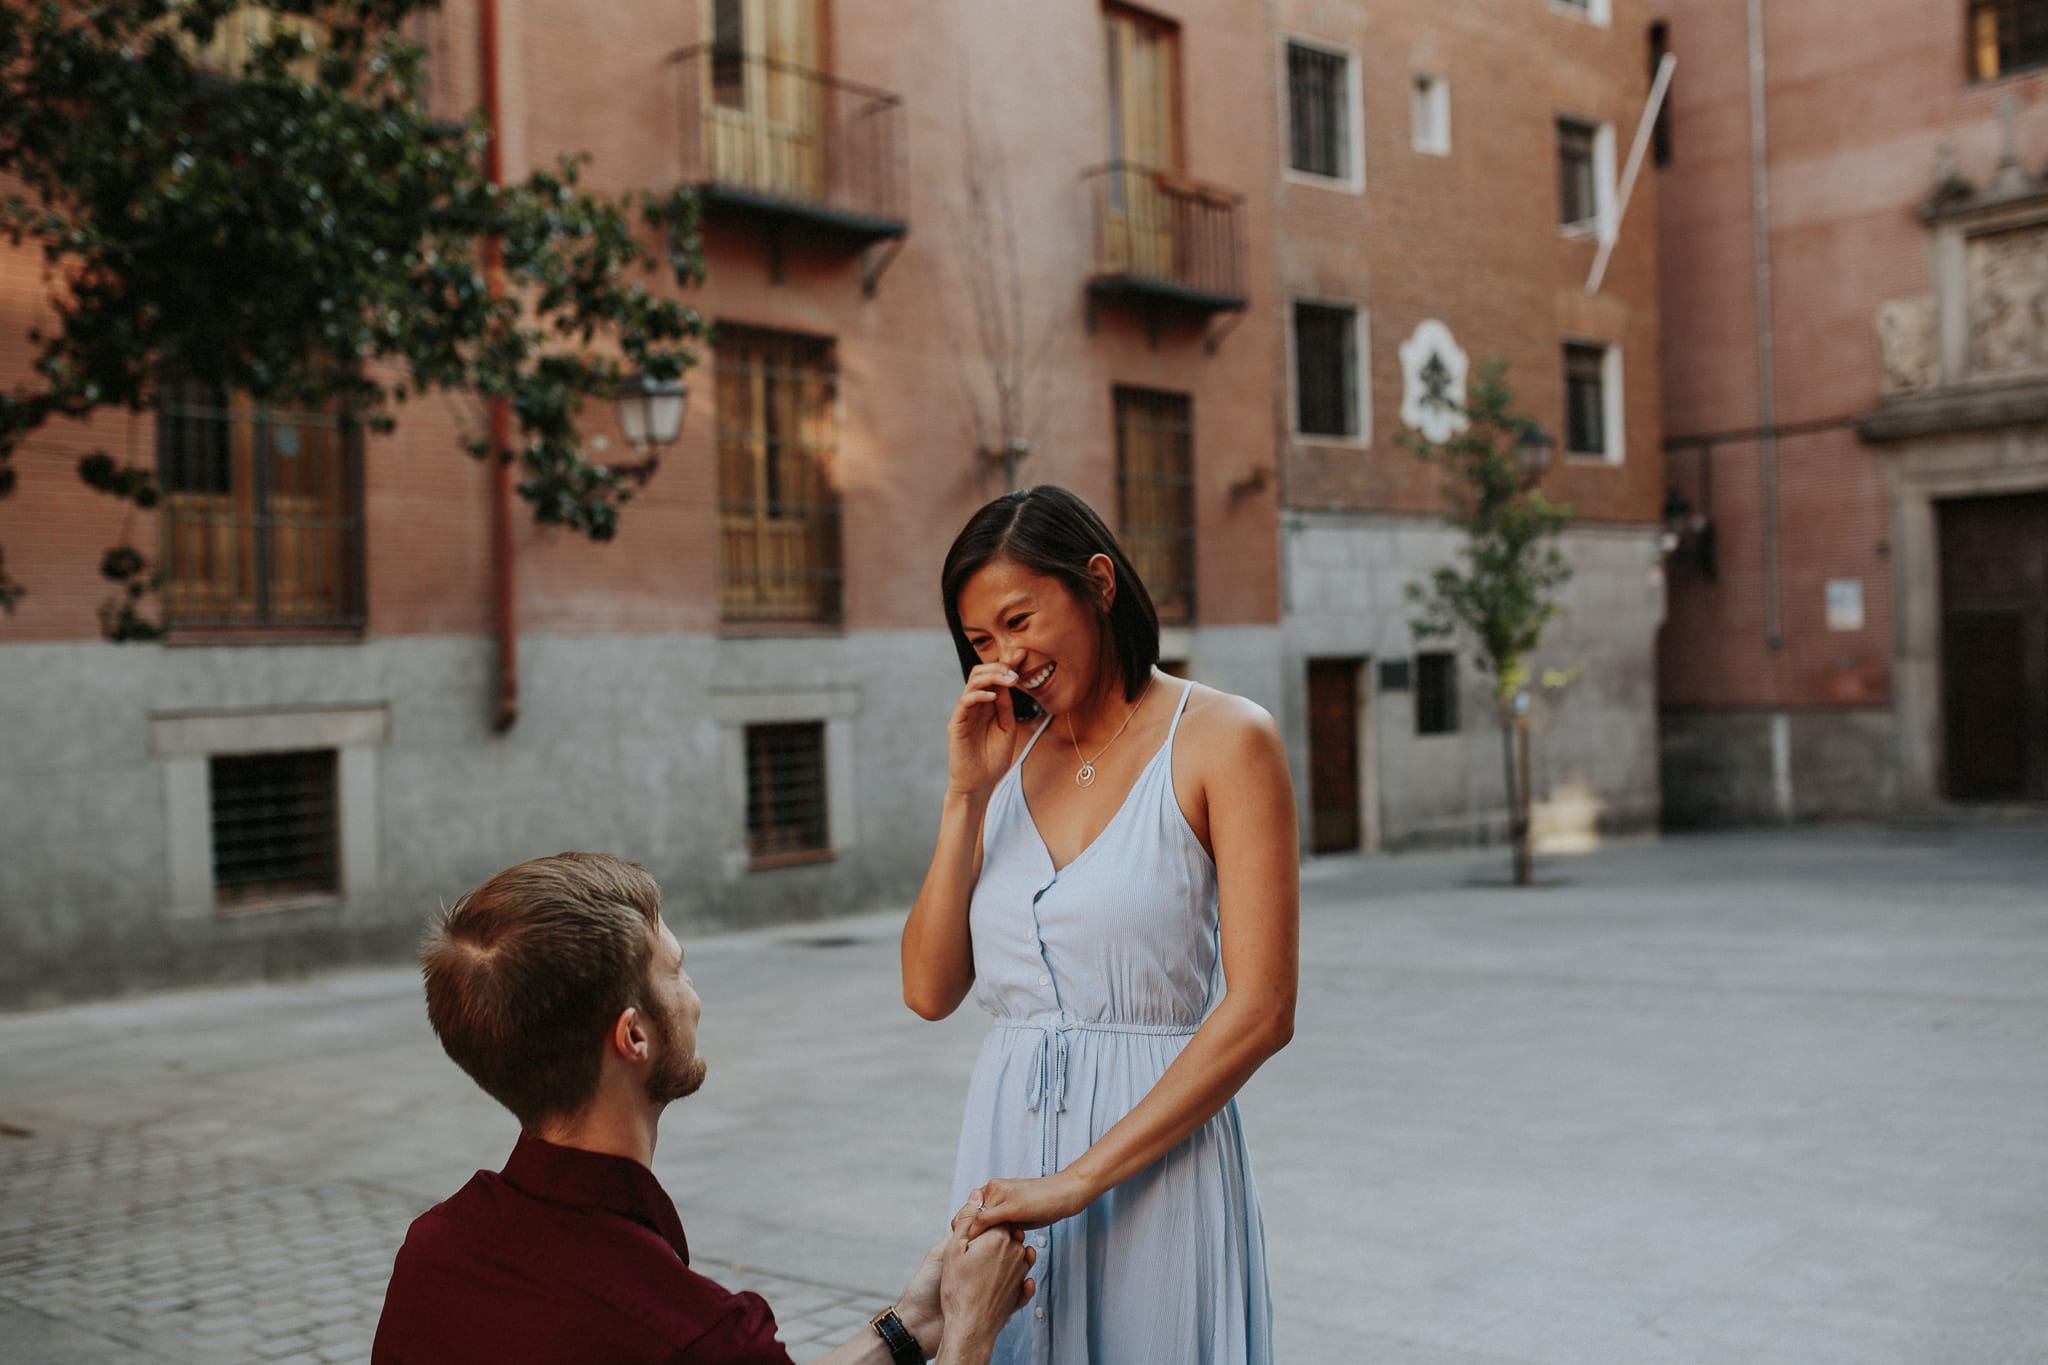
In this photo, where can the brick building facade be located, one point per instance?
(1449, 173)
(747, 689)
(1853, 264)
(1227, 249)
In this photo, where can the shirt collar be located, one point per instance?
(616, 1184)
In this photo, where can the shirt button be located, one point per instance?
(1041, 1310)
(1044, 980)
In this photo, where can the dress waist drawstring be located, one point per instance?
(1045, 1088)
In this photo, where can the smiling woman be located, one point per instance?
(1097, 893)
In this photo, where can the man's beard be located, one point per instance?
(674, 1074)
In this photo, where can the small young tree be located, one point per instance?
(257, 199)
(1503, 594)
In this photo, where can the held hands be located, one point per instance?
(1022, 1204)
(980, 1281)
(981, 735)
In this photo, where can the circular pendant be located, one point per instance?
(1086, 777)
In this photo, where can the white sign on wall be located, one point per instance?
(1433, 368)
(1845, 604)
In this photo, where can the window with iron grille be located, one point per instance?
(778, 509)
(2007, 36)
(1578, 193)
(1585, 399)
(275, 832)
(262, 522)
(1326, 370)
(1318, 110)
(1436, 693)
(786, 791)
(1155, 480)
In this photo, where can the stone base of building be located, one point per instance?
(111, 774)
(1439, 781)
(1726, 767)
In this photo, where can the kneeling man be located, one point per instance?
(557, 987)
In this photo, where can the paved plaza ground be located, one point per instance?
(1764, 1099)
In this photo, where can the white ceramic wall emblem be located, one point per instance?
(1433, 368)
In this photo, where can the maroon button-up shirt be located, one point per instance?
(566, 1255)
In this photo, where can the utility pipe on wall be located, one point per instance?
(1766, 345)
(501, 416)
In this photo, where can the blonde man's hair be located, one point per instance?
(525, 974)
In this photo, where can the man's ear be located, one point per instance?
(628, 1036)
(1103, 574)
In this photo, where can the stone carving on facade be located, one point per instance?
(1906, 345)
(1433, 369)
(2007, 279)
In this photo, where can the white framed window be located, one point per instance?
(1332, 400)
(1599, 12)
(1429, 114)
(1593, 417)
(1322, 113)
(1585, 176)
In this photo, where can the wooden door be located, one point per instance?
(1144, 141)
(1333, 755)
(763, 104)
(1994, 589)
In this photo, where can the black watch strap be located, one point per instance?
(903, 1347)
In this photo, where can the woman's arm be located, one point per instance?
(1252, 831)
(981, 743)
(938, 956)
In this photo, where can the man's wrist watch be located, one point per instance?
(903, 1347)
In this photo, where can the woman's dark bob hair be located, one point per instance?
(1049, 530)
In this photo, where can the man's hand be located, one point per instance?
(981, 1284)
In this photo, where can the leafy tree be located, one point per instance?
(1502, 595)
(292, 223)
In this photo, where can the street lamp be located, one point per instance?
(650, 411)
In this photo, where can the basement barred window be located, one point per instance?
(778, 510)
(2007, 36)
(786, 791)
(275, 829)
(262, 524)
(1436, 693)
(1326, 370)
(1318, 110)
(1155, 482)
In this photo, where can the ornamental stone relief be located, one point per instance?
(1906, 345)
(2007, 277)
(1433, 368)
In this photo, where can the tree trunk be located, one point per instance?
(1524, 871)
(1517, 833)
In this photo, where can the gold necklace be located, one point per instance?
(1086, 776)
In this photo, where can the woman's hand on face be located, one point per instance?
(981, 736)
(1025, 1204)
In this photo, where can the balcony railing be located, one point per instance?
(1162, 236)
(767, 137)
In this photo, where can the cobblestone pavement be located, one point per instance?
(1769, 1099)
(199, 1257)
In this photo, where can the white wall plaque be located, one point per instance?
(1433, 368)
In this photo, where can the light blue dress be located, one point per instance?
(1097, 974)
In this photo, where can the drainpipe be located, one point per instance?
(501, 415)
(1767, 401)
